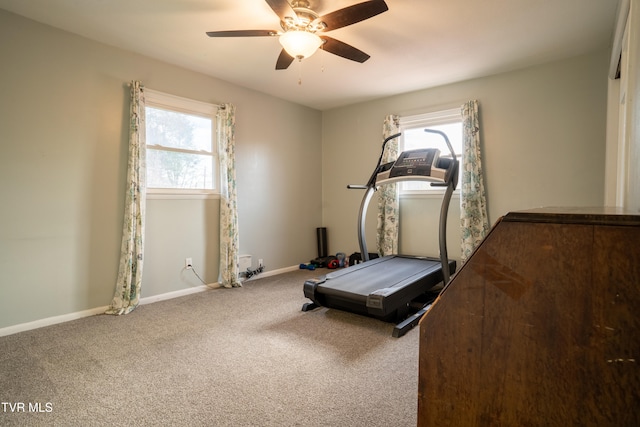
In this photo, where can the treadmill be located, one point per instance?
(393, 288)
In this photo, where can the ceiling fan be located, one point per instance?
(300, 26)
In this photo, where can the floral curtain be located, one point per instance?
(388, 195)
(229, 237)
(127, 293)
(473, 205)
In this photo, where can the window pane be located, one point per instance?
(418, 138)
(178, 130)
(414, 138)
(168, 169)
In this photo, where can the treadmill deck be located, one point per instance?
(379, 287)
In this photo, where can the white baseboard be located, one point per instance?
(280, 271)
(273, 273)
(176, 294)
(10, 330)
(49, 321)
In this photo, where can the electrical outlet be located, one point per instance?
(188, 263)
(260, 262)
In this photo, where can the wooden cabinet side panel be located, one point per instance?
(506, 343)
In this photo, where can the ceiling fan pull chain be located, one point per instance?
(299, 72)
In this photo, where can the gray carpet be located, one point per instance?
(224, 357)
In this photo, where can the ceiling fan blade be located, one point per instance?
(282, 8)
(344, 50)
(352, 14)
(242, 33)
(284, 60)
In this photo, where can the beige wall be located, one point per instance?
(64, 106)
(543, 135)
(63, 148)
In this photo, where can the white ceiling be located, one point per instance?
(416, 44)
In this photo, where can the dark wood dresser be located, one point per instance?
(541, 326)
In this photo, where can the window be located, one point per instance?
(181, 149)
(414, 136)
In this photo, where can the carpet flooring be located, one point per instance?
(224, 357)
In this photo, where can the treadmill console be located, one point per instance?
(415, 162)
(420, 164)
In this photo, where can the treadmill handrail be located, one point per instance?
(374, 175)
(446, 139)
(435, 181)
(364, 205)
(431, 179)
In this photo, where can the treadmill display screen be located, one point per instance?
(415, 162)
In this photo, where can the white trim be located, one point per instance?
(618, 35)
(155, 98)
(179, 150)
(273, 273)
(49, 321)
(178, 104)
(624, 108)
(176, 294)
(280, 271)
(434, 118)
(178, 194)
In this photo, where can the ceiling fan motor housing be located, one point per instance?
(305, 19)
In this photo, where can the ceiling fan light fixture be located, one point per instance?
(300, 44)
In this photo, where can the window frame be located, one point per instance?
(164, 101)
(426, 120)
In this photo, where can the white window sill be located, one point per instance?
(169, 194)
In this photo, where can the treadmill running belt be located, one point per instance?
(378, 287)
(389, 272)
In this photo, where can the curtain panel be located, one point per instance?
(474, 220)
(229, 269)
(388, 195)
(128, 284)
